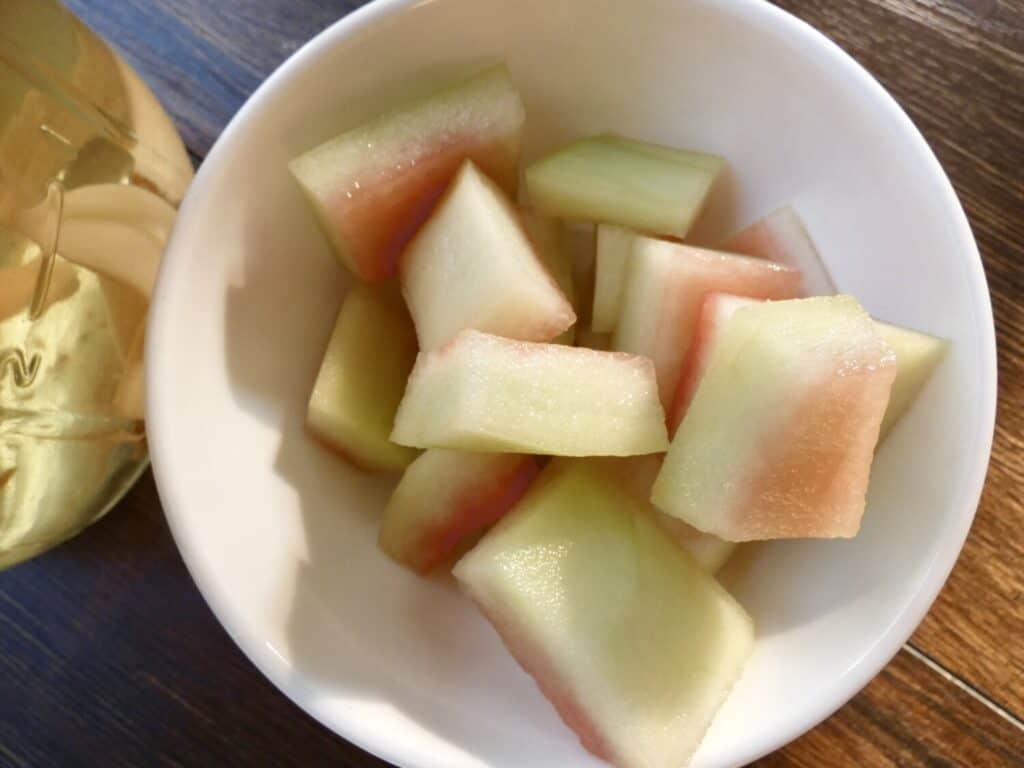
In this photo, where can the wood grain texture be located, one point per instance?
(208, 56)
(907, 716)
(113, 656)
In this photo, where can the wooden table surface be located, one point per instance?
(109, 656)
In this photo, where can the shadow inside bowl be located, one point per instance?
(395, 640)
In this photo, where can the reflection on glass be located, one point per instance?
(91, 173)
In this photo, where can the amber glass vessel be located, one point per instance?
(91, 174)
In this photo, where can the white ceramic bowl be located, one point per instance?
(279, 535)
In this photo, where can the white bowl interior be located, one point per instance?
(280, 535)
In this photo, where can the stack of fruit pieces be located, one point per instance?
(717, 406)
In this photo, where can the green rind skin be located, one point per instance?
(647, 187)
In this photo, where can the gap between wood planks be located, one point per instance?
(964, 686)
(921, 656)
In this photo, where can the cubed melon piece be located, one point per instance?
(651, 188)
(636, 475)
(446, 497)
(665, 287)
(715, 311)
(373, 186)
(549, 242)
(782, 237)
(614, 246)
(362, 378)
(487, 393)
(779, 438)
(917, 355)
(472, 265)
(631, 641)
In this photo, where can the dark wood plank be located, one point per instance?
(908, 716)
(989, 26)
(958, 69)
(203, 59)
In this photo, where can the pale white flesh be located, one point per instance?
(632, 642)
(362, 377)
(779, 438)
(614, 246)
(487, 393)
(632, 183)
(472, 265)
(917, 355)
(782, 237)
(665, 286)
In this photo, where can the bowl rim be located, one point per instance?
(278, 671)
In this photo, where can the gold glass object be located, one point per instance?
(91, 173)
